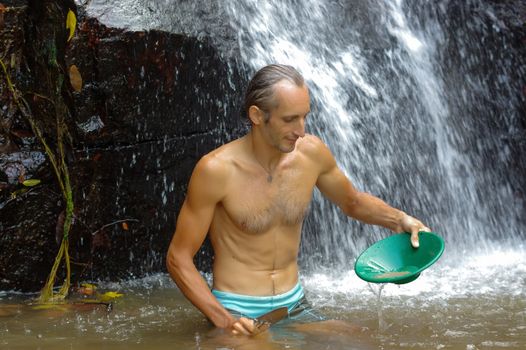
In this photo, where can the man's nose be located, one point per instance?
(300, 128)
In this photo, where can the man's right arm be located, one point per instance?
(206, 188)
(335, 185)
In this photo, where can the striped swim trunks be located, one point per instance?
(254, 306)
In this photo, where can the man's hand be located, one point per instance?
(413, 226)
(247, 326)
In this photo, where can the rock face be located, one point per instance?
(151, 104)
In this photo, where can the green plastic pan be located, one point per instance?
(394, 260)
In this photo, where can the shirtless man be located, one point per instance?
(251, 195)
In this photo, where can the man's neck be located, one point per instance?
(266, 155)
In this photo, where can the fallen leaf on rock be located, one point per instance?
(75, 78)
(110, 296)
(30, 182)
(2, 10)
(71, 23)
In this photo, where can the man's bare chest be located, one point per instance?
(256, 205)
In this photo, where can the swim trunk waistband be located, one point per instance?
(255, 306)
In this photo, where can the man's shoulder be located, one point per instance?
(314, 149)
(311, 139)
(218, 162)
(312, 145)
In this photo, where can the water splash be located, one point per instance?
(377, 291)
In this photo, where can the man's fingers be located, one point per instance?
(414, 239)
(238, 328)
(412, 225)
(414, 235)
(244, 326)
(248, 324)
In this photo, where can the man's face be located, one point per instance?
(287, 121)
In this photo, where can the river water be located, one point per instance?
(474, 302)
(419, 102)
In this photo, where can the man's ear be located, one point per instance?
(256, 115)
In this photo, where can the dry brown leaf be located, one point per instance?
(2, 10)
(75, 78)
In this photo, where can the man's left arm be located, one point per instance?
(362, 206)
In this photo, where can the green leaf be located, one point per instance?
(31, 182)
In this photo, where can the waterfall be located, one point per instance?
(420, 103)
(402, 94)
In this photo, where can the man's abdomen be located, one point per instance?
(234, 277)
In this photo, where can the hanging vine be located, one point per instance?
(58, 162)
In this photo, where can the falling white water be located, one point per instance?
(381, 104)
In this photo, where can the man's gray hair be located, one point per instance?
(260, 91)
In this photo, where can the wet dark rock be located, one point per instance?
(152, 103)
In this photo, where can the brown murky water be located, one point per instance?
(481, 305)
